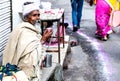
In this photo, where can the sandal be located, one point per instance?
(104, 38)
(73, 43)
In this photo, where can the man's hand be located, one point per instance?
(46, 35)
(42, 63)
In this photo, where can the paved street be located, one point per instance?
(92, 59)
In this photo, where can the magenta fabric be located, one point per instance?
(102, 17)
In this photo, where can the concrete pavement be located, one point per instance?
(85, 58)
(82, 66)
(92, 59)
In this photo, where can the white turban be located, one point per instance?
(29, 8)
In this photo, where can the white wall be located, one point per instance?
(16, 8)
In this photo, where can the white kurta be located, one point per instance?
(24, 50)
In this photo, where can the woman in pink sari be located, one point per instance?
(102, 18)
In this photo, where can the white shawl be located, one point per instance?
(23, 41)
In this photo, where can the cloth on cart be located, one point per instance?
(11, 72)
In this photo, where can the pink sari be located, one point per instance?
(102, 18)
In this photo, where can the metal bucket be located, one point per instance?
(48, 60)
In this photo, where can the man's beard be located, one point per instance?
(38, 25)
(37, 21)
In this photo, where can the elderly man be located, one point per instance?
(24, 46)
